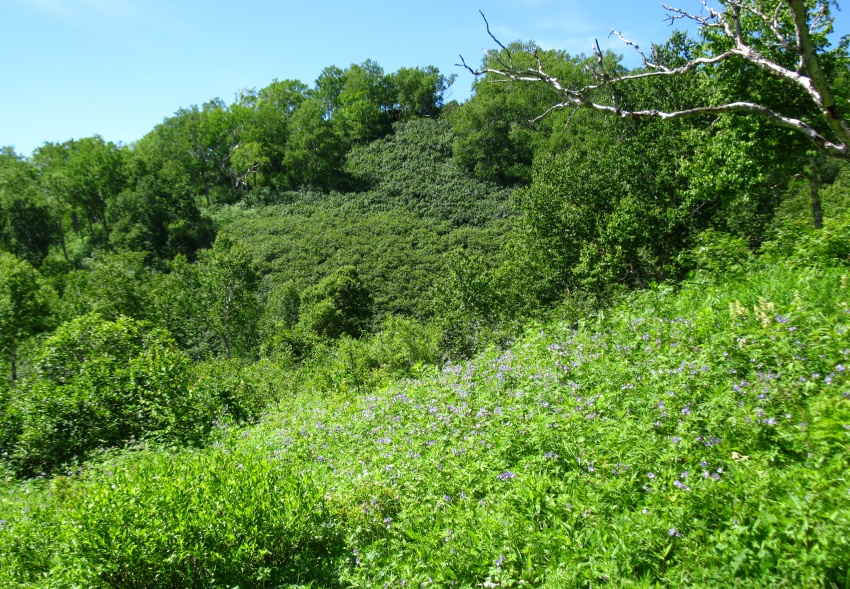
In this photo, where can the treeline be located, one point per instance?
(145, 197)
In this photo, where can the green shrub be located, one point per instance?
(339, 304)
(153, 519)
(100, 384)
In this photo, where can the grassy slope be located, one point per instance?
(692, 437)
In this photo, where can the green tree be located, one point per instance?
(83, 178)
(494, 138)
(339, 304)
(419, 91)
(27, 222)
(773, 62)
(315, 150)
(24, 307)
(112, 285)
(229, 283)
(191, 150)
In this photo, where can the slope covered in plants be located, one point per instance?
(689, 436)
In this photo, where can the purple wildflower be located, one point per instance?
(505, 476)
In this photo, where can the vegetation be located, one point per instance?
(350, 336)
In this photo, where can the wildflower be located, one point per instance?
(505, 476)
(500, 561)
(673, 532)
(651, 475)
(782, 319)
(685, 411)
(676, 439)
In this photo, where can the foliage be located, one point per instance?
(155, 519)
(398, 254)
(26, 219)
(228, 283)
(25, 307)
(692, 436)
(339, 304)
(112, 284)
(99, 384)
(414, 169)
(494, 138)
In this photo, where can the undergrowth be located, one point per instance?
(692, 436)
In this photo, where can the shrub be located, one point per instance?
(100, 384)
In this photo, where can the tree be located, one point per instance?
(339, 304)
(315, 150)
(419, 92)
(27, 222)
(24, 307)
(749, 29)
(100, 384)
(494, 136)
(785, 39)
(229, 282)
(111, 285)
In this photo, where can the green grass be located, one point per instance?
(692, 436)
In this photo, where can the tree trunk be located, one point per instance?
(814, 184)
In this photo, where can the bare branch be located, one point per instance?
(808, 75)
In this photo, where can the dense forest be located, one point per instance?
(350, 334)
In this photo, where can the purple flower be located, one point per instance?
(685, 411)
(500, 561)
(782, 319)
(505, 476)
(651, 475)
(673, 532)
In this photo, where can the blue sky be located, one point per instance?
(75, 68)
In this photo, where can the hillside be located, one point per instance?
(690, 436)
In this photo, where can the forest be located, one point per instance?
(588, 328)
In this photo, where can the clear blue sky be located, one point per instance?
(75, 68)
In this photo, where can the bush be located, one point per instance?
(152, 519)
(99, 384)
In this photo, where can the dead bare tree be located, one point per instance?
(831, 135)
